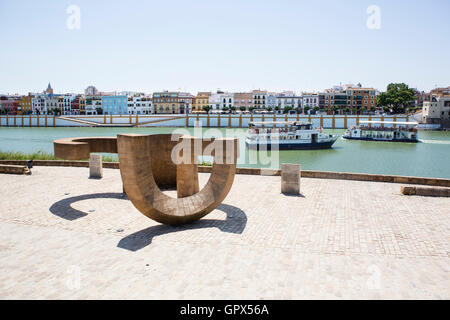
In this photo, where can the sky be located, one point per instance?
(231, 45)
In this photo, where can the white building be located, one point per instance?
(140, 105)
(310, 100)
(220, 99)
(288, 99)
(38, 104)
(437, 111)
(272, 100)
(65, 103)
(227, 100)
(185, 101)
(51, 104)
(93, 103)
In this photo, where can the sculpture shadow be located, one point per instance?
(235, 222)
(63, 209)
(293, 195)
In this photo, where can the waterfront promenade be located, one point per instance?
(190, 120)
(65, 236)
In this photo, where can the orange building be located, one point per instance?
(361, 99)
(25, 105)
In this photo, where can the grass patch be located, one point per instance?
(42, 155)
(39, 155)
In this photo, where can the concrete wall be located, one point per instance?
(224, 120)
(256, 171)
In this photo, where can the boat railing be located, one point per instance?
(271, 130)
(367, 128)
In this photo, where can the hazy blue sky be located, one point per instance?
(232, 45)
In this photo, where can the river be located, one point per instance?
(429, 158)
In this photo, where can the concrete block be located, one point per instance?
(268, 172)
(290, 178)
(95, 166)
(14, 169)
(425, 192)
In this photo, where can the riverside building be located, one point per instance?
(117, 104)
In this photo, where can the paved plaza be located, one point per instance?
(64, 236)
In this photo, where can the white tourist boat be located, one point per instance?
(286, 135)
(377, 131)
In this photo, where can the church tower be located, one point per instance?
(49, 89)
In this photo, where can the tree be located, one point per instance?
(373, 109)
(315, 109)
(287, 109)
(306, 109)
(269, 109)
(251, 109)
(277, 109)
(298, 110)
(206, 108)
(242, 109)
(398, 97)
(225, 109)
(335, 109)
(233, 108)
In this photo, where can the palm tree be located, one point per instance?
(206, 109)
(335, 109)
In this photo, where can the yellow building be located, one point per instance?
(166, 102)
(82, 102)
(200, 101)
(25, 105)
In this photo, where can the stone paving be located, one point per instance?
(64, 236)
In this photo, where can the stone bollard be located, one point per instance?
(95, 166)
(290, 178)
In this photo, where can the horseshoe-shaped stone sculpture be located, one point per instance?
(150, 162)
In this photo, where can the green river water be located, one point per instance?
(429, 158)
